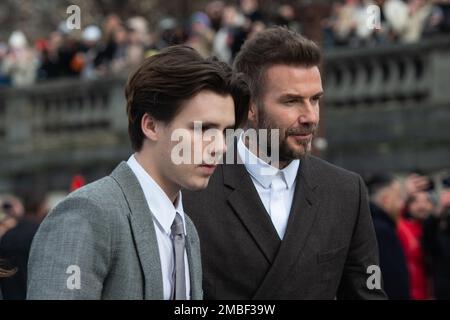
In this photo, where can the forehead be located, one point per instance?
(420, 196)
(208, 106)
(397, 188)
(292, 79)
(396, 184)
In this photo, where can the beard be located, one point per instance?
(287, 153)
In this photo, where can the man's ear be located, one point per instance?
(149, 127)
(252, 112)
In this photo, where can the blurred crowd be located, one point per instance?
(411, 217)
(399, 21)
(117, 46)
(19, 221)
(20, 217)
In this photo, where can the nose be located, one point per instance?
(219, 147)
(309, 114)
(222, 146)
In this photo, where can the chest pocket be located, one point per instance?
(331, 255)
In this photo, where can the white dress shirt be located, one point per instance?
(275, 187)
(164, 212)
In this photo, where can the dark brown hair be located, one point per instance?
(164, 81)
(275, 45)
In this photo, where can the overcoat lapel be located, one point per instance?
(247, 205)
(304, 212)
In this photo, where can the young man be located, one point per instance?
(298, 228)
(126, 236)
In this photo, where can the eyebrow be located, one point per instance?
(213, 125)
(296, 96)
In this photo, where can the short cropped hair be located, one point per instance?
(275, 45)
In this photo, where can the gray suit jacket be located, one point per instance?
(105, 229)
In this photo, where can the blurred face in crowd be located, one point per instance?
(229, 15)
(12, 206)
(248, 6)
(287, 12)
(392, 199)
(444, 199)
(215, 10)
(134, 37)
(111, 23)
(420, 206)
(7, 224)
(256, 27)
(55, 42)
(215, 112)
(120, 35)
(290, 103)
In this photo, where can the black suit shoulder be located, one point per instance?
(335, 182)
(326, 170)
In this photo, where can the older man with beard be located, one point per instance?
(296, 228)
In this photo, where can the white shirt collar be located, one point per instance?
(158, 202)
(263, 172)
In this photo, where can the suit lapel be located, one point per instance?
(303, 213)
(245, 201)
(143, 231)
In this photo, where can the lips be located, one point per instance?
(302, 136)
(208, 168)
(208, 165)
